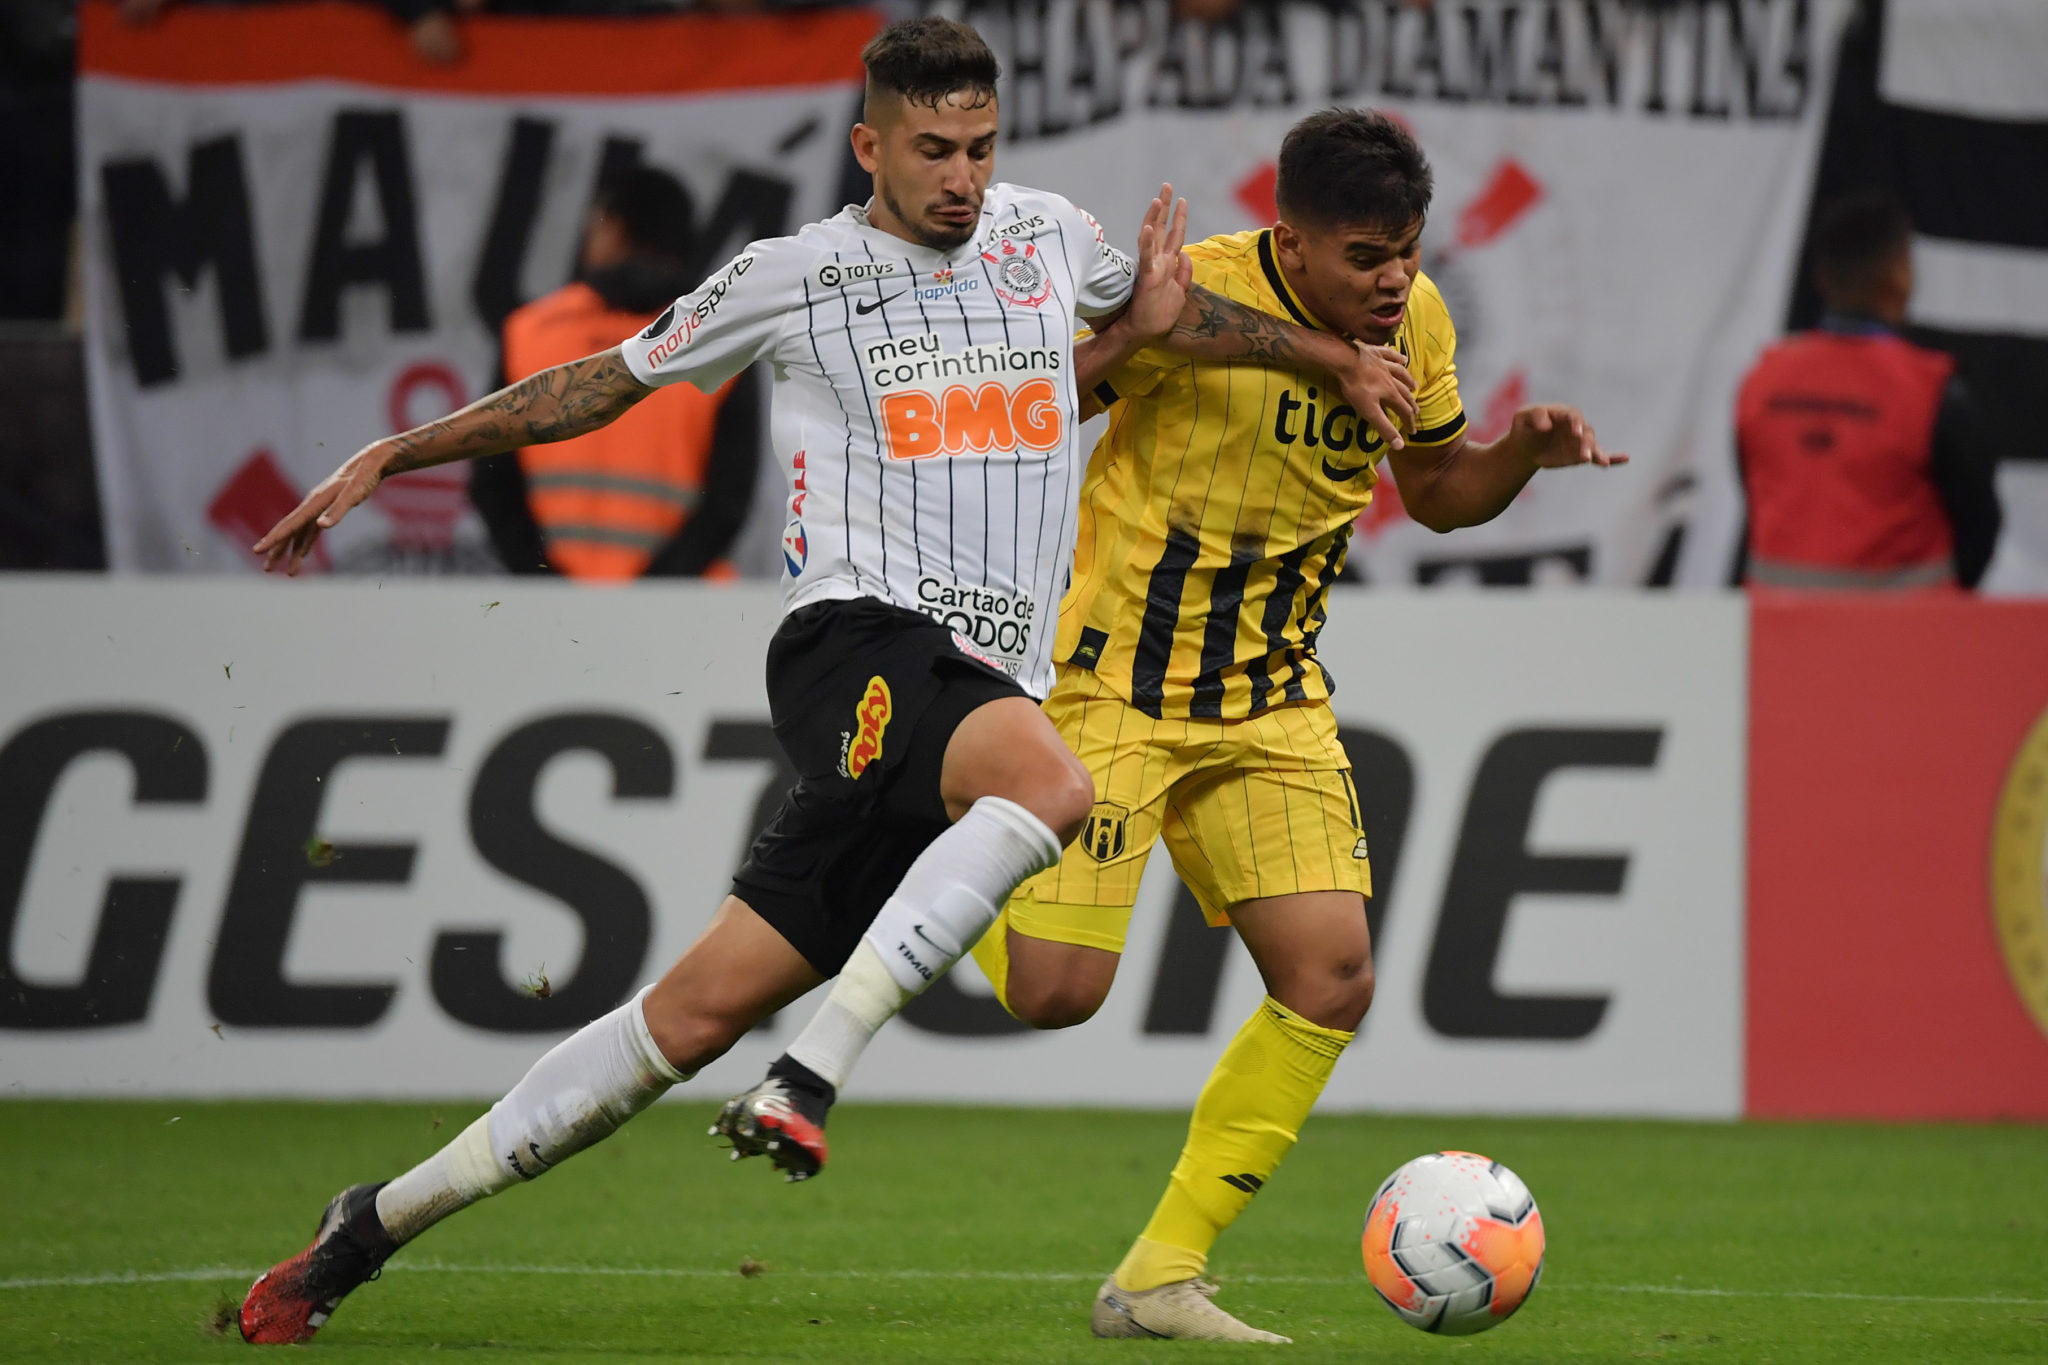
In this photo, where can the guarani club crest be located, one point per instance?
(1104, 835)
(1021, 278)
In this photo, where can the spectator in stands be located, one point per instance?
(1866, 463)
(661, 491)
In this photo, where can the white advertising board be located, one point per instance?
(316, 838)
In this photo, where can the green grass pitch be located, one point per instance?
(971, 1235)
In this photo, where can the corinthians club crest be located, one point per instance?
(1021, 278)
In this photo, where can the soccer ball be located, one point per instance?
(1453, 1242)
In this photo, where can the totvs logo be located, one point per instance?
(864, 744)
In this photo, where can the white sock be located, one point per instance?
(944, 903)
(579, 1093)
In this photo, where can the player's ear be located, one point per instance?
(1287, 242)
(867, 147)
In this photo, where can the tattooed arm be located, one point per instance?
(1374, 379)
(553, 405)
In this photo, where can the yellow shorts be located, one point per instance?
(1249, 808)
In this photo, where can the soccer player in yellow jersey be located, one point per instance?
(1214, 518)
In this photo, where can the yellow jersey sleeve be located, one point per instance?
(1433, 349)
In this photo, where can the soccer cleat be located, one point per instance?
(1181, 1310)
(783, 1122)
(292, 1300)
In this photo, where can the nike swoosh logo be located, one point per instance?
(1331, 471)
(866, 308)
(918, 929)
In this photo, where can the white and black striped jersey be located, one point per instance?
(924, 406)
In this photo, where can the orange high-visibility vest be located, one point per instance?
(606, 501)
(1836, 437)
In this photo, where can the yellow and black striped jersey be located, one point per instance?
(1216, 510)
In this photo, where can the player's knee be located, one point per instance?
(689, 1037)
(1053, 1004)
(1068, 797)
(1336, 993)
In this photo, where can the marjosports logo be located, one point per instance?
(1021, 278)
(980, 620)
(863, 744)
(2019, 871)
(709, 296)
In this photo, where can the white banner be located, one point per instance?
(1620, 193)
(298, 237)
(322, 839)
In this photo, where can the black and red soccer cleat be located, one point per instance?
(782, 1118)
(292, 1300)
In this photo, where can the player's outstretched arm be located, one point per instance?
(1373, 379)
(1168, 309)
(553, 405)
(1466, 482)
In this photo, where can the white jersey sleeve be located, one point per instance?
(1105, 274)
(727, 323)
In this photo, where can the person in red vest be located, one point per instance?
(1865, 461)
(660, 492)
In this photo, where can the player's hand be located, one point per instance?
(291, 540)
(1379, 385)
(1160, 291)
(1557, 437)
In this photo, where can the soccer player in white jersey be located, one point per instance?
(925, 385)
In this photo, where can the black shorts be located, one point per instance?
(864, 697)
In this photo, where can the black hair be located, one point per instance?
(1855, 235)
(1352, 166)
(925, 60)
(652, 208)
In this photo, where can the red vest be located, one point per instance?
(606, 501)
(1835, 434)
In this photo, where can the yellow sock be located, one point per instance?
(992, 954)
(1246, 1119)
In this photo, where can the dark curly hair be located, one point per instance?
(1352, 166)
(925, 60)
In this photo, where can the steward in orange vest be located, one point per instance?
(1865, 461)
(664, 489)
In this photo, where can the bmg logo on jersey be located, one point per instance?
(1010, 401)
(862, 745)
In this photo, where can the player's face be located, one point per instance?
(1354, 276)
(931, 166)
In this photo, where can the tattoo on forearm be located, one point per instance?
(1235, 330)
(553, 405)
